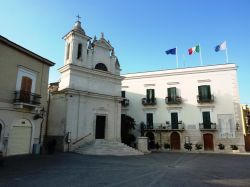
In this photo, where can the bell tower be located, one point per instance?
(76, 43)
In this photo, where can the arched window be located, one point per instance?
(101, 66)
(68, 50)
(79, 51)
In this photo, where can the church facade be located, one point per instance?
(86, 106)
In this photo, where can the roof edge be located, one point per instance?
(26, 51)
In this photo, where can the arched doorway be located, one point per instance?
(20, 137)
(208, 142)
(175, 141)
(151, 140)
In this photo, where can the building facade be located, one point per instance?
(86, 105)
(23, 98)
(198, 105)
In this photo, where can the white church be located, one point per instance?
(87, 104)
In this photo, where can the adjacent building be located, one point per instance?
(86, 105)
(23, 98)
(198, 105)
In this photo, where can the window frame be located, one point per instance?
(25, 72)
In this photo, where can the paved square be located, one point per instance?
(156, 169)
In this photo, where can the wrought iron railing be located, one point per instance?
(173, 100)
(146, 101)
(125, 102)
(202, 99)
(27, 97)
(210, 126)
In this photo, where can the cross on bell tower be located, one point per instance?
(78, 17)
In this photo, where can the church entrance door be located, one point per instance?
(100, 127)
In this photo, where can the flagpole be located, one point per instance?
(184, 63)
(200, 56)
(177, 63)
(226, 56)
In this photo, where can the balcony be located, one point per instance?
(23, 98)
(202, 99)
(165, 127)
(125, 102)
(207, 127)
(173, 100)
(148, 102)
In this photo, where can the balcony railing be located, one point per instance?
(211, 126)
(173, 100)
(23, 97)
(125, 102)
(151, 101)
(165, 127)
(202, 99)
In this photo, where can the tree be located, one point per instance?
(127, 124)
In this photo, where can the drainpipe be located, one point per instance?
(47, 119)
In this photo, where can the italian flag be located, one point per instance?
(194, 49)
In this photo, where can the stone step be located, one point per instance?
(105, 147)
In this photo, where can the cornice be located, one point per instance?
(184, 71)
(89, 94)
(73, 67)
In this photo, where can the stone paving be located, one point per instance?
(156, 169)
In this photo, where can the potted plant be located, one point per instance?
(234, 148)
(166, 146)
(198, 146)
(221, 146)
(188, 146)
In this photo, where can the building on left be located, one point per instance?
(23, 98)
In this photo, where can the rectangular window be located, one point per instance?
(204, 92)
(150, 94)
(226, 125)
(172, 93)
(206, 120)
(174, 120)
(79, 51)
(123, 94)
(68, 50)
(150, 120)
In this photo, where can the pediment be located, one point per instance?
(103, 43)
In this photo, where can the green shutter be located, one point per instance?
(174, 120)
(206, 119)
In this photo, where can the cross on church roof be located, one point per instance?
(78, 17)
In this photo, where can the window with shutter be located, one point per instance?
(149, 120)
(25, 92)
(174, 120)
(206, 120)
(172, 94)
(123, 94)
(150, 95)
(204, 92)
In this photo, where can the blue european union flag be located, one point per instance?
(171, 51)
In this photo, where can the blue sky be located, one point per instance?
(139, 30)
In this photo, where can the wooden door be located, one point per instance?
(247, 142)
(175, 141)
(100, 127)
(208, 142)
(25, 91)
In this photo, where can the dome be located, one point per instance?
(78, 28)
